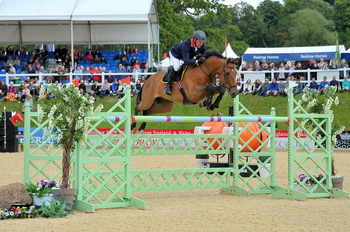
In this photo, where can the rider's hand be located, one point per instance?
(201, 60)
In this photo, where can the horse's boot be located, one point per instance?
(171, 78)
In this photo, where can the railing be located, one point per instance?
(320, 73)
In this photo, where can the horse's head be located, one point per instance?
(216, 64)
(228, 76)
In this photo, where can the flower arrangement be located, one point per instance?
(68, 116)
(321, 103)
(308, 180)
(56, 209)
(43, 187)
(18, 212)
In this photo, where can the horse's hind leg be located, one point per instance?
(160, 106)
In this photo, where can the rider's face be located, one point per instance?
(198, 43)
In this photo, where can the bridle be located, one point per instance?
(212, 75)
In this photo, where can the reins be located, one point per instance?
(212, 75)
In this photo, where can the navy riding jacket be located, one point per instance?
(186, 51)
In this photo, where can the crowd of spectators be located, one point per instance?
(280, 83)
(89, 68)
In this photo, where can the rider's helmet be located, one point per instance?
(200, 35)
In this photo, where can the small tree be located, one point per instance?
(69, 114)
(321, 103)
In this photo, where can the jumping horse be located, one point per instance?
(197, 84)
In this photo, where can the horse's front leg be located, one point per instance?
(222, 91)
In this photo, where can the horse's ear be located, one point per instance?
(236, 61)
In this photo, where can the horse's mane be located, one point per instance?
(212, 53)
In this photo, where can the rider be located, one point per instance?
(187, 51)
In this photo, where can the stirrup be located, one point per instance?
(167, 90)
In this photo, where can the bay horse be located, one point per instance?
(198, 84)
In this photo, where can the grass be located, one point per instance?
(255, 104)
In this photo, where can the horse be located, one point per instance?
(198, 86)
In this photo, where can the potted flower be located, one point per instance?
(321, 103)
(42, 191)
(69, 114)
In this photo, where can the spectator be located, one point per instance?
(78, 71)
(143, 80)
(124, 62)
(125, 55)
(137, 68)
(297, 75)
(136, 64)
(133, 61)
(25, 66)
(138, 86)
(109, 77)
(120, 70)
(28, 100)
(11, 93)
(23, 51)
(82, 57)
(96, 60)
(313, 84)
(281, 73)
(273, 67)
(9, 60)
(88, 77)
(11, 70)
(334, 82)
(89, 56)
(96, 88)
(62, 78)
(345, 85)
(143, 64)
(134, 50)
(265, 88)
(298, 88)
(117, 89)
(104, 89)
(239, 85)
(333, 65)
(96, 77)
(281, 87)
(23, 95)
(3, 89)
(33, 90)
(118, 56)
(256, 66)
(343, 65)
(82, 86)
(93, 95)
(128, 50)
(257, 86)
(103, 60)
(98, 53)
(248, 87)
(323, 84)
(64, 52)
(12, 89)
(273, 88)
(322, 64)
(250, 67)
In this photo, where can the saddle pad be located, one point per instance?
(177, 78)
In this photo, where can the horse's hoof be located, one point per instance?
(138, 131)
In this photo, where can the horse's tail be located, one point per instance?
(138, 99)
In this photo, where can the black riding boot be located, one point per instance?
(171, 78)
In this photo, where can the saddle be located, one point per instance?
(179, 75)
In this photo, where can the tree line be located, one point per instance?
(271, 24)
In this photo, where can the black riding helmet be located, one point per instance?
(200, 35)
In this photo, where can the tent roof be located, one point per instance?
(229, 52)
(292, 53)
(96, 22)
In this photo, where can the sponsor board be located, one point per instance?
(343, 140)
(281, 137)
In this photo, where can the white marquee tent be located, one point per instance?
(229, 52)
(79, 22)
